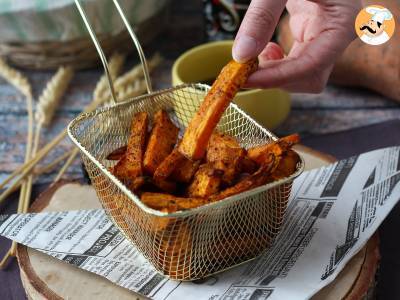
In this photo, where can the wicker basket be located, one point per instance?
(78, 53)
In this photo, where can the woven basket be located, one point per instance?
(79, 53)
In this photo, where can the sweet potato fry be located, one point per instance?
(165, 185)
(206, 182)
(225, 87)
(169, 202)
(225, 153)
(117, 153)
(217, 142)
(247, 165)
(130, 165)
(168, 165)
(260, 177)
(161, 141)
(260, 153)
(136, 183)
(186, 170)
(287, 165)
(135, 219)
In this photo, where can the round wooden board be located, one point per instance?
(45, 277)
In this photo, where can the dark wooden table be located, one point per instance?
(335, 109)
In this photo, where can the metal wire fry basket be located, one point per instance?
(192, 244)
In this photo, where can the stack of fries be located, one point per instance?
(153, 168)
(205, 166)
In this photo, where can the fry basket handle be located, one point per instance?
(102, 55)
(138, 47)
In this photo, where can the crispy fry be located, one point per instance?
(135, 219)
(225, 153)
(117, 153)
(217, 142)
(161, 141)
(165, 185)
(225, 87)
(260, 153)
(136, 183)
(186, 170)
(206, 182)
(169, 164)
(247, 165)
(130, 165)
(170, 203)
(286, 166)
(260, 177)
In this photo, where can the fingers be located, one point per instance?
(271, 52)
(257, 28)
(305, 69)
(313, 84)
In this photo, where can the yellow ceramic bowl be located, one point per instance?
(269, 107)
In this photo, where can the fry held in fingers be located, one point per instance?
(232, 77)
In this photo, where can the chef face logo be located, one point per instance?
(375, 25)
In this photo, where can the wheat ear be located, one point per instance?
(48, 102)
(114, 66)
(21, 83)
(136, 72)
(102, 88)
(50, 98)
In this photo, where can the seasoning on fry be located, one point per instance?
(130, 165)
(161, 141)
(232, 77)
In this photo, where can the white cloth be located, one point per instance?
(375, 40)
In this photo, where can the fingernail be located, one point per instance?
(244, 48)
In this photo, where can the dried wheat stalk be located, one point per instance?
(133, 90)
(20, 82)
(136, 72)
(124, 93)
(53, 164)
(15, 78)
(51, 95)
(114, 66)
(25, 169)
(48, 102)
(130, 84)
(45, 109)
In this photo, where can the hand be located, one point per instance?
(322, 29)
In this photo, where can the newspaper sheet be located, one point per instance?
(332, 213)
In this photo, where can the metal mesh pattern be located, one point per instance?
(190, 244)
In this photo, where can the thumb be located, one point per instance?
(257, 28)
